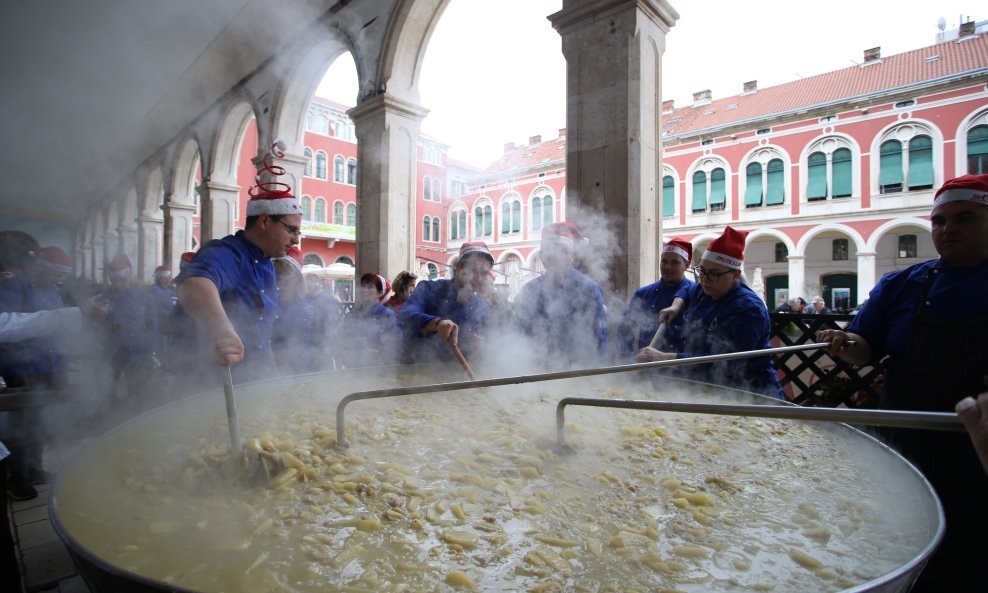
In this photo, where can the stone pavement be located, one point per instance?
(45, 563)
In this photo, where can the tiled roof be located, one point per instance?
(524, 157)
(909, 68)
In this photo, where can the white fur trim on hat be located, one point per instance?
(962, 194)
(722, 259)
(273, 207)
(677, 250)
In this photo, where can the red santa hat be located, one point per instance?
(294, 257)
(272, 197)
(476, 247)
(185, 259)
(379, 282)
(119, 267)
(683, 249)
(162, 271)
(727, 249)
(54, 259)
(966, 188)
(563, 233)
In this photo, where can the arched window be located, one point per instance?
(841, 173)
(351, 171)
(700, 192)
(483, 221)
(436, 195)
(322, 124)
(308, 163)
(765, 181)
(435, 229)
(306, 208)
(920, 163)
(427, 188)
(321, 165)
(320, 214)
(433, 270)
(511, 215)
(668, 196)
(977, 150)
(753, 185)
(775, 192)
(351, 215)
(338, 169)
(458, 225)
(542, 210)
(338, 213)
(905, 160)
(816, 183)
(312, 259)
(344, 260)
(829, 170)
(548, 212)
(718, 190)
(426, 228)
(536, 214)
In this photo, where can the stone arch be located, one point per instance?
(978, 117)
(186, 165)
(779, 236)
(843, 229)
(894, 224)
(404, 49)
(229, 139)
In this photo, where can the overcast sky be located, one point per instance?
(494, 71)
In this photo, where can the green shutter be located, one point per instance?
(463, 224)
(718, 187)
(668, 195)
(977, 150)
(842, 173)
(920, 162)
(306, 208)
(435, 230)
(478, 221)
(425, 228)
(890, 163)
(488, 221)
(776, 192)
(816, 183)
(505, 217)
(548, 214)
(515, 216)
(753, 185)
(536, 214)
(453, 227)
(699, 192)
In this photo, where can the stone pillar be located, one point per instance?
(797, 276)
(99, 257)
(866, 274)
(219, 209)
(180, 231)
(613, 52)
(387, 145)
(128, 240)
(149, 246)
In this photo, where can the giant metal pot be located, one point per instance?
(165, 476)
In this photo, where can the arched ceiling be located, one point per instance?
(93, 89)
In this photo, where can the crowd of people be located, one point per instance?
(243, 301)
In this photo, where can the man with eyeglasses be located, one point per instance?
(641, 316)
(722, 315)
(230, 288)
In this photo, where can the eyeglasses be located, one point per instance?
(714, 276)
(294, 230)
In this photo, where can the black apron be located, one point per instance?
(944, 361)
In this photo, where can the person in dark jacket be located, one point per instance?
(371, 328)
(563, 310)
(442, 312)
(722, 315)
(927, 325)
(640, 320)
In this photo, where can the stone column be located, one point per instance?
(866, 274)
(219, 209)
(797, 276)
(150, 250)
(387, 144)
(180, 231)
(128, 240)
(613, 52)
(99, 257)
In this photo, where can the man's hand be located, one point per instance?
(649, 354)
(228, 350)
(667, 315)
(448, 331)
(974, 414)
(95, 307)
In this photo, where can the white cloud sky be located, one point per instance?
(494, 71)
